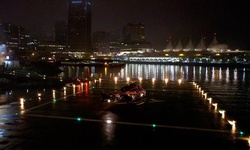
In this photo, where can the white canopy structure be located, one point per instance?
(169, 46)
(178, 47)
(201, 46)
(189, 46)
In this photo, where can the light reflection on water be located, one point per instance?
(229, 87)
(109, 126)
(160, 72)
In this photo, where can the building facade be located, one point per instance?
(79, 26)
(134, 39)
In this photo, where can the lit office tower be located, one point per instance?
(79, 25)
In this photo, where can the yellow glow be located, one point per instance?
(215, 106)
(217, 54)
(54, 94)
(233, 123)
(128, 79)
(181, 54)
(140, 79)
(105, 71)
(64, 92)
(115, 78)
(166, 80)
(205, 96)
(74, 89)
(108, 121)
(82, 86)
(153, 80)
(210, 100)
(166, 54)
(179, 81)
(22, 103)
(197, 54)
(222, 112)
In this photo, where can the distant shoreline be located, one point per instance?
(231, 65)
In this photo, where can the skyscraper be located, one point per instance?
(79, 25)
(60, 32)
(134, 39)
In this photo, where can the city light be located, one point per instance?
(166, 80)
(22, 100)
(153, 80)
(215, 106)
(222, 112)
(115, 78)
(179, 81)
(205, 96)
(79, 119)
(233, 123)
(209, 100)
(128, 79)
(108, 121)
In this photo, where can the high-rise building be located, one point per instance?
(101, 42)
(11, 35)
(79, 25)
(134, 40)
(60, 32)
(134, 33)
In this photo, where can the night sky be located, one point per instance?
(179, 19)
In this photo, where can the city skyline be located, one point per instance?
(162, 19)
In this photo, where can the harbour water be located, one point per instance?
(50, 117)
(228, 86)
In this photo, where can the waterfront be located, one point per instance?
(229, 86)
(184, 119)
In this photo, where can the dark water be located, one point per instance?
(229, 87)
